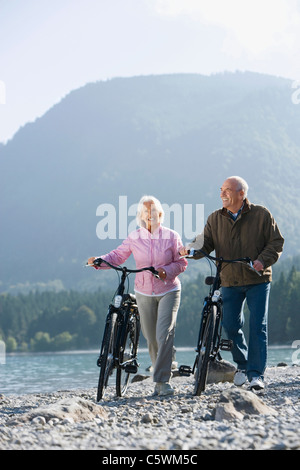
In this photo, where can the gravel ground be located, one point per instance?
(72, 420)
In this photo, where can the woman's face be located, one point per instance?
(150, 215)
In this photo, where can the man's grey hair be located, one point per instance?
(156, 204)
(242, 185)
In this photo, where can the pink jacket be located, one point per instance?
(159, 249)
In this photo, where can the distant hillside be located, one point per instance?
(175, 136)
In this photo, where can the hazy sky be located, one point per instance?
(51, 47)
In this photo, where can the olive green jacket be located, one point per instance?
(253, 234)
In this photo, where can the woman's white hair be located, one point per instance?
(242, 185)
(156, 204)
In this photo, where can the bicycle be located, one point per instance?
(210, 341)
(120, 341)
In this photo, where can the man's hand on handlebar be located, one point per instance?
(184, 251)
(257, 265)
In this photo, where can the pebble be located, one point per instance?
(140, 421)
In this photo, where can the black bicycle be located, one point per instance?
(120, 341)
(210, 341)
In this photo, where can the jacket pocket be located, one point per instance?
(139, 280)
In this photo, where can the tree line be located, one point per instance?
(68, 320)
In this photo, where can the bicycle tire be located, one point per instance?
(205, 352)
(128, 350)
(107, 355)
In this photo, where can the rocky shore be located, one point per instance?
(223, 418)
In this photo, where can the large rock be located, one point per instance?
(71, 409)
(140, 378)
(235, 403)
(220, 371)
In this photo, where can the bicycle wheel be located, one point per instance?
(106, 360)
(128, 353)
(205, 351)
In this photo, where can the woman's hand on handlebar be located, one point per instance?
(161, 273)
(91, 261)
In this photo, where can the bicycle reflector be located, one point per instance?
(118, 301)
(216, 296)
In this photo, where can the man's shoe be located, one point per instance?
(256, 384)
(166, 389)
(240, 378)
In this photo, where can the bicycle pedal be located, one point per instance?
(185, 371)
(131, 368)
(226, 345)
(99, 360)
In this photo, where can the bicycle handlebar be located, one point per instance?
(246, 260)
(99, 261)
(192, 252)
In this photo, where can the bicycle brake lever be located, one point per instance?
(253, 268)
(97, 262)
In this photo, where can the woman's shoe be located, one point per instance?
(166, 389)
(156, 389)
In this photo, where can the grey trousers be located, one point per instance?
(158, 320)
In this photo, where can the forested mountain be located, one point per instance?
(175, 136)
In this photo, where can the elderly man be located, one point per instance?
(242, 229)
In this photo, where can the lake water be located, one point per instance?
(38, 373)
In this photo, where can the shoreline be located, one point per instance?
(141, 349)
(72, 420)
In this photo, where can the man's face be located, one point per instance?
(232, 197)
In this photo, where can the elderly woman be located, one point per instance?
(158, 299)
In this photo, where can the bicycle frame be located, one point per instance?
(214, 298)
(211, 316)
(122, 324)
(123, 317)
(122, 304)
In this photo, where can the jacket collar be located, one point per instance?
(155, 234)
(246, 208)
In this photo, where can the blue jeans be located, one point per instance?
(251, 358)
